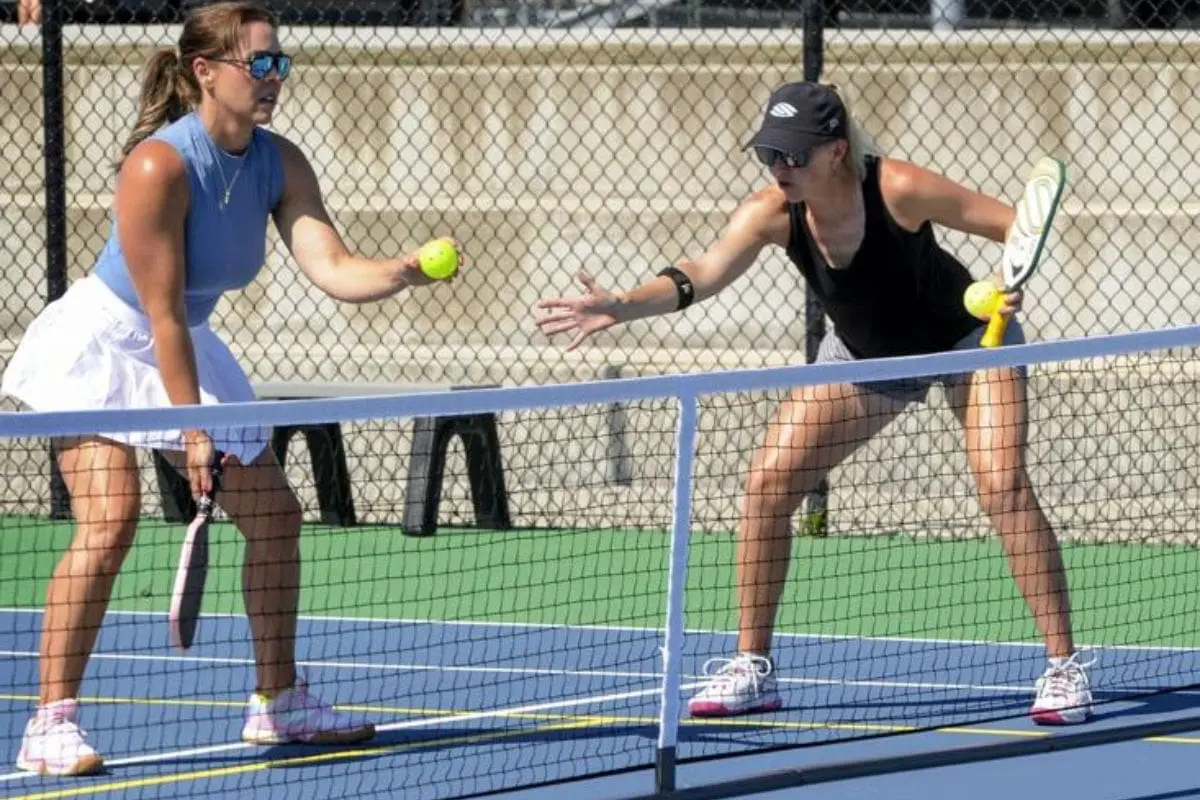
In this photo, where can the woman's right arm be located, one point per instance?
(151, 207)
(761, 220)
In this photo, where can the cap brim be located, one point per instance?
(788, 141)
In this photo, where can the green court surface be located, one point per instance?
(878, 586)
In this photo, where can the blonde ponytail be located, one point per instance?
(860, 142)
(861, 145)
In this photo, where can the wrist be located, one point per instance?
(685, 290)
(406, 268)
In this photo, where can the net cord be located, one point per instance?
(513, 398)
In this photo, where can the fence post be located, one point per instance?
(815, 505)
(54, 160)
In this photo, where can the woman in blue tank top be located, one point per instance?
(859, 227)
(198, 182)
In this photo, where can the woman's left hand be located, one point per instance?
(1011, 303)
(415, 276)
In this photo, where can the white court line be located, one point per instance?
(1026, 688)
(634, 629)
(150, 758)
(401, 667)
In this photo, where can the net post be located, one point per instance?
(664, 770)
(54, 160)
(668, 723)
(814, 519)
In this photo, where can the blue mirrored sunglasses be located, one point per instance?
(261, 62)
(769, 156)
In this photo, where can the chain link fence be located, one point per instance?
(566, 135)
(563, 135)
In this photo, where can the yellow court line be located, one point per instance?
(297, 761)
(560, 723)
(1172, 739)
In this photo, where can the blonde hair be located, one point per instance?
(861, 144)
(170, 89)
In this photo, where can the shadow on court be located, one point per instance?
(1179, 795)
(1151, 705)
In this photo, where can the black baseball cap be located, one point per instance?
(801, 116)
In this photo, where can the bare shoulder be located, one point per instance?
(289, 152)
(900, 180)
(915, 195)
(153, 184)
(909, 189)
(153, 162)
(763, 215)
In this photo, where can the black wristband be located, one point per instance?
(683, 286)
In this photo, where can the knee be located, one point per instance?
(105, 544)
(1003, 489)
(775, 488)
(277, 523)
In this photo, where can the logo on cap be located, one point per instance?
(783, 110)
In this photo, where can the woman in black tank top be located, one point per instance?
(860, 229)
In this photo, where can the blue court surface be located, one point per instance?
(467, 708)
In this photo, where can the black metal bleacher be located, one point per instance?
(332, 480)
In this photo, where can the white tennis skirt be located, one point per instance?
(88, 350)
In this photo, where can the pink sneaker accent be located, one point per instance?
(741, 685)
(1064, 694)
(54, 744)
(297, 716)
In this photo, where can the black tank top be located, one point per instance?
(901, 294)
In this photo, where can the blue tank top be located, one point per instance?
(225, 244)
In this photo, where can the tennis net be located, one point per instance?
(525, 586)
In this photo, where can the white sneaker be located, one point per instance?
(54, 744)
(744, 684)
(297, 716)
(1064, 695)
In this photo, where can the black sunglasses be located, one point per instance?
(769, 156)
(261, 62)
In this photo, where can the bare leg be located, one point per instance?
(102, 478)
(264, 508)
(992, 407)
(266, 511)
(815, 430)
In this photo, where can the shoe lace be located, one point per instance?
(724, 671)
(1062, 682)
(58, 722)
(303, 698)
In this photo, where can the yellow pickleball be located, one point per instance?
(982, 298)
(439, 259)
